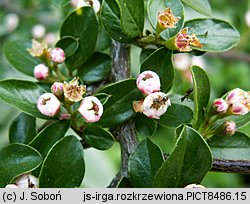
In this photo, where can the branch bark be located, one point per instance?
(124, 134)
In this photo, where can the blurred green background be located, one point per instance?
(23, 19)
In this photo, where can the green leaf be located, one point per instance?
(201, 94)
(98, 137)
(215, 35)
(103, 39)
(49, 136)
(19, 57)
(161, 62)
(69, 45)
(132, 17)
(144, 125)
(154, 7)
(17, 159)
(124, 183)
(110, 15)
(176, 115)
(240, 120)
(236, 147)
(82, 25)
(22, 129)
(64, 166)
(96, 68)
(144, 163)
(23, 95)
(118, 109)
(188, 163)
(202, 6)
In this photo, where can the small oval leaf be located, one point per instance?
(69, 45)
(202, 6)
(144, 125)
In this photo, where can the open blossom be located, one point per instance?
(166, 19)
(220, 105)
(148, 82)
(155, 105)
(48, 104)
(238, 101)
(57, 55)
(38, 48)
(229, 128)
(57, 89)
(91, 109)
(27, 181)
(41, 72)
(73, 92)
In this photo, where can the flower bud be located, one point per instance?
(235, 96)
(11, 186)
(91, 109)
(27, 181)
(11, 21)
(247, 18)
(38, 49)
(220, 105)
(166, 19)
(72, 91)
(93, 3)
(239, 109)
(41, 72)
(229, 128)
(57, 55)
(148, 82)
(155, 105)
(182, 61)
(48, 104)
(194, 186)
(57, 89)
(38, 31)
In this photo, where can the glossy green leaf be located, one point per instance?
(110, 15)
(145, 54)
(201, 94)
(103, 39)
(22, 95)
(161, 62)
(215, 35)
(17, 159)
(103, 97)
(240, 120)
(144, 163)
(19, 57)
(144, 125)
(154, 7)
(49, 136)
(176, 115)
(64, 166)
(69, 45)
(96, 68)
(98, 137)
(118, 109)
(188, 163)
(202, 6)
(132, 17)
(124, 183)
(236, 147)
(22, 129)
(82, 25)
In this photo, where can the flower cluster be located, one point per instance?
(66, 94)
(50, 57)
(237, 102)
(155, 103)
(25, 181)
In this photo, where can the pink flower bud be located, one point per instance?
(11, 186)
(220, 105)
(38, 31)
(235, 96)
(229, 128)
(155, 105)
(27, 181)
(41, 72)
(148, 82)
(57, 55)
(48, 104)
(239, 109)
(11, 22)
(91, 109)
(57, 89)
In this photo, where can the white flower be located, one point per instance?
(57, 55)
(247, 18)
(155, 105)
(91, 109)
(220, 105)
(27, 181)
(148, 82)
(38, 48)
(11, 186)
(38, 31)
(182, 61)
(41, 71)
(11, 21)
(93, 3)
(48, 104)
